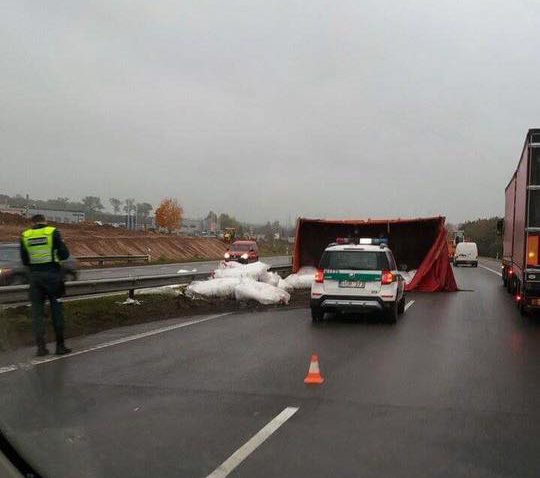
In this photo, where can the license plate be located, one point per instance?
(352, 284)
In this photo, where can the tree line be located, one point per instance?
(92, 206)
(484, 233)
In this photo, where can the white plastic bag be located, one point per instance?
(408, 275)
(218, 288)
(303, 279)
(164, 290)
(254, 271)
(271, 278)
(261, 292)
(283, 284)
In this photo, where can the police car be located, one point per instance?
(358, 275)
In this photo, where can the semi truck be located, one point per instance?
(521, 228)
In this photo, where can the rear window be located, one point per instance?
(354, 260)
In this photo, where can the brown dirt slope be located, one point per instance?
(92, 240)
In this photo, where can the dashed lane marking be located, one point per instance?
(252, 444)
(409, 305)
(490, 270)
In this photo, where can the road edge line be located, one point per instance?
(111, 343)
(252, 444)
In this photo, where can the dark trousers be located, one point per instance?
(47, 285)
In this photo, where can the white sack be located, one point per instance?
(261, 292)
(252, 271)
(164, 290)
(408, 275)
(271, 278)
(220, 288)
(302, 279)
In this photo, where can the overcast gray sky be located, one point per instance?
(270, 109)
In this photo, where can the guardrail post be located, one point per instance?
(101, 262)
(131, 293)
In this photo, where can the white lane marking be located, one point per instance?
(409, 304)
(123, 340)
(252, 444)
(490, 270)
(8, 368)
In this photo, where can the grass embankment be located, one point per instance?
(90, 316)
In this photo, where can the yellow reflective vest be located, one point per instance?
(39, 245)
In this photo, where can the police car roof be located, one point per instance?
(357, 247)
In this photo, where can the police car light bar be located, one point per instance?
(364, 241)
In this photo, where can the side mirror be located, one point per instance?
(500, 227)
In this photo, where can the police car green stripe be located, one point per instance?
(355, 276)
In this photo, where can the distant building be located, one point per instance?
(62, 217)
(192, 227)
(11, 210)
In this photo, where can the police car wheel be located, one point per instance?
(391, 314)
(317, 314)
(401, 305)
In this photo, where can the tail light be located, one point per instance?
(532, 251)
(387, 277)
(319, 276)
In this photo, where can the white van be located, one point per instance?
(466, 253)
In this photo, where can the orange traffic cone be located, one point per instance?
(314, 374)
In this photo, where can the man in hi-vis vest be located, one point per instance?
(42, 248)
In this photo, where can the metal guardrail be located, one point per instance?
(19, 293)
(102, 259)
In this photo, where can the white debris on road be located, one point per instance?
(174, 290)
(183, 271)
(254, 271)
(303, 279)
(243, 282)
(130, 301)
(408, 275)
(262, 292)
(215, 288)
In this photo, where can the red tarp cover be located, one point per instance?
(419, 243)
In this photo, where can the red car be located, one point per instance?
(243, 252)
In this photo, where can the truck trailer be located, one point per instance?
(521, 227)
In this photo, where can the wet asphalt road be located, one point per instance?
(452, 390)
(163, 269)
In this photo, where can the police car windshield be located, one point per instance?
(354, 260)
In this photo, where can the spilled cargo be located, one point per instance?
(418, 245)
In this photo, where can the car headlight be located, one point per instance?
(227, 255)
(245, 256)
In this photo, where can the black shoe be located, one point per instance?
(42, 351)
(62, 350)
